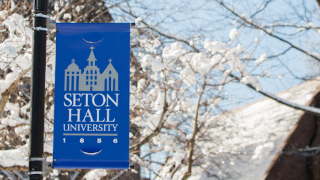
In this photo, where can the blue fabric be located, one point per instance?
(91, 113)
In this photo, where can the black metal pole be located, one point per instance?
(37, 91)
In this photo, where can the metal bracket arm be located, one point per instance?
(41, 15)
(41, 29)
(37, 159)
(51, 24)
(35, 172)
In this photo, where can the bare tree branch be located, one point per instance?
(269, 33)
(195, 131)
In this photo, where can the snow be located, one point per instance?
(56, 6)
(261, 59)
(178, 157)
(293, 105)
(199, 62)
(146, 132)
(234, 33)
(14, 157)
(150, 45)
(240, 49)
(257, 131)
(21, 129)
(146, 60)
(10, 78)
(159, 103)
(137, 20)
(19, 156)
(141, 84)
(263, 149)
(188, 77)
(157, 66)
(16, 23)
(152, 121)
(66, 16)
(164, 139)
(214, 102)
(23, 61)
(95, 174)
(79, 8)
(3, 14)
(253, 80)
(8, 51)
(176, 46)
(235, 62)
(171, 53)
(13, 6)
(216, 46)
(216, 59)
(156, 43)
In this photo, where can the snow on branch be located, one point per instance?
(309, 109)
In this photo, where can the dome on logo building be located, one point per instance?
(73, 67)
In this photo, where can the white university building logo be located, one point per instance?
(90, 79)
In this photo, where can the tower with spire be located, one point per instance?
(92, 59)
(91, 79)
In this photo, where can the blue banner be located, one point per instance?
(91, 113)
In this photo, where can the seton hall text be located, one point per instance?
(80, 111)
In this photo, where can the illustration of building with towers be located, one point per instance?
(90, 79)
